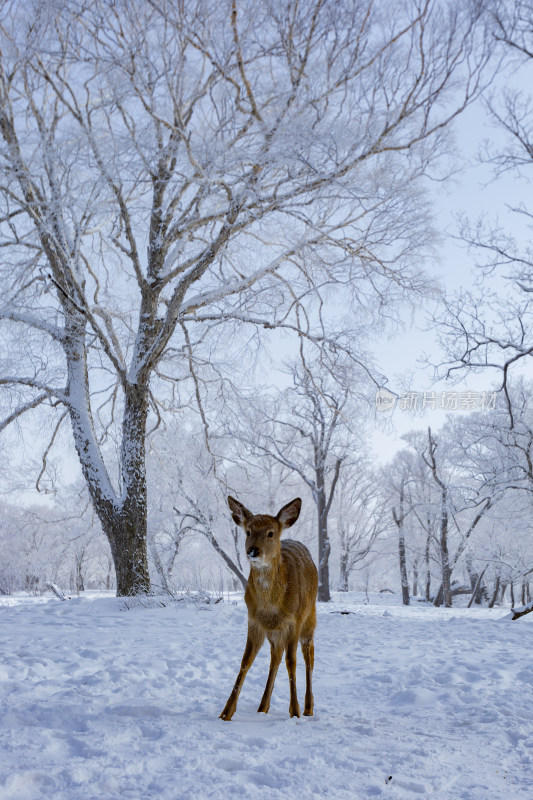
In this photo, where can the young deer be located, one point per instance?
(280, 597)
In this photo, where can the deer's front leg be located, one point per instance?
(276, 654)
(253, 645)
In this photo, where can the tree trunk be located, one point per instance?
(324, 595)
(125, 529)
(126, 524)
(108, 579)
(80, 585)
(494, 597)
(445, 556)
(415, 577)
(343, 577)
(324, 546)
(343, 564)
(479, 592)
(476, 589)
(399, 520)
(428, 567)
(439, 597)
(403, 566)
(127, 536)
(123, 518)
(129, 528)
(158, 564)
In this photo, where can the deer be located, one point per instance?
(281, 600)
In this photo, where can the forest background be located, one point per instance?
(228, 236)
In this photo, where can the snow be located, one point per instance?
(103, 701)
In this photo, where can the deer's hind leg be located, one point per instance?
(308, 651)
(290, 660)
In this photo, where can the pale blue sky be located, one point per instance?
(475, 192)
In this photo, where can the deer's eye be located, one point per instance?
(247, 533)
(270, 534)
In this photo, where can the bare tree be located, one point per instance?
(440, 494)
(189, 500)
(500, 447)
(491, 330)
(428, 526)
(61, 543)
(399, 477)
(305, 430)
(168, 166)
(430, 460)
(462, 503)
(165, 546)
(197, 522)
(361, 518)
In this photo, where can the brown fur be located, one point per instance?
(280, 597)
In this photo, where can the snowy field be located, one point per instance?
(100, 702)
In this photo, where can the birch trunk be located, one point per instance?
(324, 546)
(427, 553)
(343, 564)
(445, 556)
(399, 517)
(403, 566)
(415, 578)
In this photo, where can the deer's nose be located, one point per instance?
(253, 552)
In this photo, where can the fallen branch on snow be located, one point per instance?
(56, 590)
(521, 611)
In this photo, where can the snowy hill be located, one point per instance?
(102, 702)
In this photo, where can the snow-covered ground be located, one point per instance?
(99, 702)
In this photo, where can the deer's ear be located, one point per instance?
(239, 513)
(288, 515)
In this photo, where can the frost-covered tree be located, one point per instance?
(499, 446)
(169, 167)
(60, 543)
(190, 500)
(189, 497)
(14, 572)
(503, 551)
(491, 330)
(400, 478)
(438, 500)
(456, 496)
(305, 429)
(361, 518)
